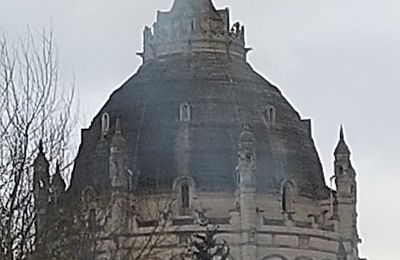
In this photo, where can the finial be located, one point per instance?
(342, 147)
(40, 146)
(58, 181)
(57, 167)
(341, 133)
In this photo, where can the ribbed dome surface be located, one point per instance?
(223, 94)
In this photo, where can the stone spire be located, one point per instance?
(41, 170)
(342, 148)
(58, 182)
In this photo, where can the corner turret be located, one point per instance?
(346, 185)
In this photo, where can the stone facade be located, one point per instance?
(196, 136)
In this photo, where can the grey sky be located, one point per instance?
(337, 61)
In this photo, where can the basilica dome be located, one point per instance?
(182, 114)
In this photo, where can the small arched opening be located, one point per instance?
(105, 123)
(288, 194)
(270, 114)
(185, 197)
(185, 113)
(184, 188)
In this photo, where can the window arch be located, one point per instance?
(185, 112)
(303, 258)
(270, 114)
(184, 187)
(274, 257)
(288, 193)
(105, 123)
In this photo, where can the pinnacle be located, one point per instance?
(57, 167)
(341, 135)
(41, 157)
(58, 180)
(40, 146)
(342, 147)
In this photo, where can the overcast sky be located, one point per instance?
(337, 61)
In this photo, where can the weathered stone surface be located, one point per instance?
(196, 128)
(224, 94)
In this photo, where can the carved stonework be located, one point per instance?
(193, 27)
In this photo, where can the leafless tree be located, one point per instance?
(33, 106)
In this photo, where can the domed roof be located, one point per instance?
(183, 114)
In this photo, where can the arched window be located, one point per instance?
(185, 187)
(340, 170)
(105, 123)
(185, 199)
(185, 113)
(270, 114)
(288, 197)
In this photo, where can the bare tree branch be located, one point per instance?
(32, 108)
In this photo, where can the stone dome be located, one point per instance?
(182, 114)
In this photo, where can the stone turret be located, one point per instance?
(193, 26)
(247, 191)
(41, 188)
(346, 184)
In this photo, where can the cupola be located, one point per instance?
(193, 26)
